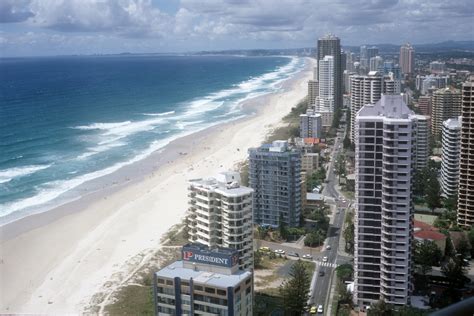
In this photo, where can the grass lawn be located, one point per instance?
(428, 219)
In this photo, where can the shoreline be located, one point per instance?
(108, 184)
(97, 233)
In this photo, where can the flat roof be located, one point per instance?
(177, 269)
(314, 196)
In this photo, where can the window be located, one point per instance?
(210, 290)
(161, 281)
(237, 289)
(169, 282)
(221, 292)
(198, 288)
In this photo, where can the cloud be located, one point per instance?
(12, 11)
(221, 24)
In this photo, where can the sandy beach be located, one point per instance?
(56, 261)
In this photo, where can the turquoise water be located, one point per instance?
(68, 120)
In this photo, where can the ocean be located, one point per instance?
(68, 120)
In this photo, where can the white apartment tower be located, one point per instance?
(385, 137)
(325, 100)
(220, 214)
(367, 90)
(451, 142)
(407, 59)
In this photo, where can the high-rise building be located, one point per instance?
(445, 104)
(431, 82)
(407, 59)
(313, 91)
(364, 61)
(206, 281)
(372, 52)
(366, 90)
(466, 163)
(220, 214)
(376, 63)
(325, 99)
(437, 67)
(385, 137)
(451, 143)
(330, 45)
(310, 124)
(275, 175)
(424, 105)
(422, 148)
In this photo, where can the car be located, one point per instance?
(321, 273)
(325, 259)
(308, 256)
(328, 247)
(293, 254)
(320, 309)
(264, 249)
(280, 251)
(313, 310)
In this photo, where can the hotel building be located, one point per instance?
(205, 282)
(220, 215)
(310, 124)
(330, 45)
(445, 104)
(466, 163)
(385, 138)
(407, 59)
(451, 143)
(367, 90)
(275, 176)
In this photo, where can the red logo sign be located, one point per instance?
(187, 255)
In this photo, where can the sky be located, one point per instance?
(62, 27)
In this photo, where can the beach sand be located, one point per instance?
(56, 261)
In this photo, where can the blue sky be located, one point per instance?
(51, 27)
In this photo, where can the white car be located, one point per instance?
(320, 309)
(280, 251)
(325, 259)
(328, 247)
(307, 256)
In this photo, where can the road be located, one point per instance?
(321, 285)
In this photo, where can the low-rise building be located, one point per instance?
(205, 282)
(310, 162)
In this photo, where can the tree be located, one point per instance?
(314, 238)
(282, 227)
(344, 272)
(454, 272)
(257, 258)
(470, 237)
(419, 183)
(433, 191)
(451, 203)
(349, 234)
(427, 254)
(295, 290)
(380, 308)
(410, 311)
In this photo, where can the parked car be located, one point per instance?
(264, 249)
(328, 247)
(280, 251)
(308, 256)
(320, 309)
(313, 310)
(293, 254)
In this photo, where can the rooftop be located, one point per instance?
(389, 106)
(453, 123)
(177, 269)
(226, 183)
